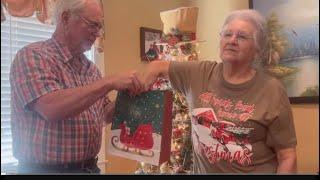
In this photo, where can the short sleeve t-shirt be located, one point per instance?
(236, 128)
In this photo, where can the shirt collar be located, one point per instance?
(63, 50)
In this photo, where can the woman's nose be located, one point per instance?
(234, 39)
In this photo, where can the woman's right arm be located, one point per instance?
(152, 71)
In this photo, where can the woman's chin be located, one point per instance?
(230, 59)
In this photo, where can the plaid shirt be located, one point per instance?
(41, 68)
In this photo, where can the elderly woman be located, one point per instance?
(250, 127)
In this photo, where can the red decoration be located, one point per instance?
(173, 40)
(206, 118)
(142, 138)
(193, 36)
(177, 132)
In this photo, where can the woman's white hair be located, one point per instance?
(68, 5)
(259, 22)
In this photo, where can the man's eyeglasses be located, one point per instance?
(92, 25)
(240, 36)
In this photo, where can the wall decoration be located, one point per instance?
(294, 39)
(149, 38)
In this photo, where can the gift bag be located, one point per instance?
(141, 129)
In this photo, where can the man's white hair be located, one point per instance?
(69, 5)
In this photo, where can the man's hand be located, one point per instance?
(126, 81)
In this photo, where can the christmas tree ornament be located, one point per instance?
(165, 168)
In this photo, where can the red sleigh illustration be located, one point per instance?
(140, 142)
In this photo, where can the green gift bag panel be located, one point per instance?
(141, 129)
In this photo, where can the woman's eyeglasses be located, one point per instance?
(240, 36)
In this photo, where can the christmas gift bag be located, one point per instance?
(141, 129)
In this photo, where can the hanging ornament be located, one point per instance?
(165, 168)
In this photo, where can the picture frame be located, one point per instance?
(298, 36)
(149, 38)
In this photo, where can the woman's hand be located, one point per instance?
(149, 75)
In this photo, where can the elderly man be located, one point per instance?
(59, 101)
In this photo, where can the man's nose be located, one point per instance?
(97, 33)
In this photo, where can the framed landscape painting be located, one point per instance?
(294, 36)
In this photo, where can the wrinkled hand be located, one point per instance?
(149, 75)
(146, 78)
(127, 81)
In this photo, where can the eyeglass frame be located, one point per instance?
(92, 25)
(240, 36)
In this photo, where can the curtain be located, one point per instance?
(26, 8)
(43, 9)
(3, 17)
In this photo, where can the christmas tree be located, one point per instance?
(178, 43)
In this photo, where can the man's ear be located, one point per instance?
(65, 16)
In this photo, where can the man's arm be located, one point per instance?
(62, 104)
(287, 160)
